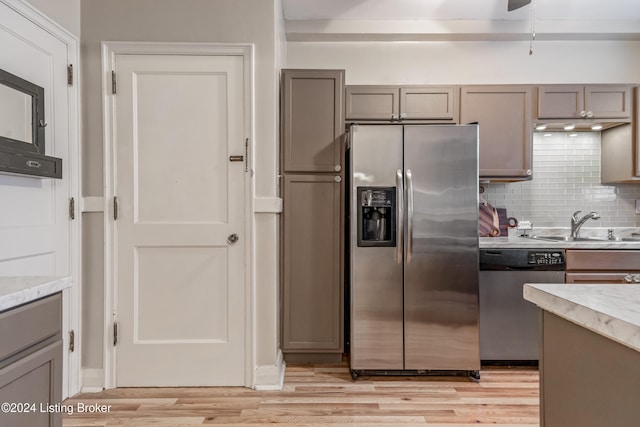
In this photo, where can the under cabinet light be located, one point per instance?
(596, 127)
(541, 126)
(569, 127)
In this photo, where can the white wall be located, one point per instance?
(220, 21)
(65, 13)
(498, 62)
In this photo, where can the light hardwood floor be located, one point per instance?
(326, 395)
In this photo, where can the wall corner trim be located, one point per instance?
(92, 204)
(92, 380)
(267, 205)
(270, 377)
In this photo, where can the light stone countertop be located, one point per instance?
(18, 290)
(514, 240)
(612, 311)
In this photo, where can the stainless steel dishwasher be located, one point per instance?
(509, 325)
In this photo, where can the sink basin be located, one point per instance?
(553, 238)
(571, 239)
(626, 239)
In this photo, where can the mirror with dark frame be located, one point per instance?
(22, 129)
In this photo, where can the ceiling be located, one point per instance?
(344, 20)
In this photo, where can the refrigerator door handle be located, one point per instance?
(409, 216)
(400, 215)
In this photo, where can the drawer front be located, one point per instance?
(600, 278)
(607, 260)
(29, 324)
(42, 166)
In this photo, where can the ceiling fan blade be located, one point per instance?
(516, 4)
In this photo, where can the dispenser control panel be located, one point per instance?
(376, 216)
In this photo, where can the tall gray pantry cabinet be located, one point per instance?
(312, 233)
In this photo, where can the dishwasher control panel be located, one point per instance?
(546, 258)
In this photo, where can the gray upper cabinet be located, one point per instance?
(620, 149)
(506, 129)
(584, 102)
(394, 103)
(372, 103)
(312, 120)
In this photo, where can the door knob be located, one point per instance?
(233, 238)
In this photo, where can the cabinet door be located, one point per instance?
(430, 103)
(504, 116)
(608, 102)
(560, 101)
(312, 120)
(312, 264)
(372, 103)
(35, 379)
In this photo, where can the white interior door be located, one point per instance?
(179, 270)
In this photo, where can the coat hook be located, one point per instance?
(43, 124)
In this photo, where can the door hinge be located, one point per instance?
(70, 75)
(246, 155)
(115, 333)
(113, 82)
(72, 208)
(72, 340)
(115, 208)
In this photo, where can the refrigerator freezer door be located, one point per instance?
(376, 274)
(441, 280)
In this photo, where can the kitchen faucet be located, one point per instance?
(577, 223)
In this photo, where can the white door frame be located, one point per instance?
(109, 52)
(72, 317)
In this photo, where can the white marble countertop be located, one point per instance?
(514, 240)
(17, 290)
(610, 310)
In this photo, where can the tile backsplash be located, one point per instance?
(566, 178)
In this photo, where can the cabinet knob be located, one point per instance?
(628, 278)
(337, 179)
(403, 116)
(589, 114)
(337, 168)
(529, 172)
(583, 114)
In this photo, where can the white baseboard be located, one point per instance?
(270, 377)
(92, 380)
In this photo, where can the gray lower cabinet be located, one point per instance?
(312, 297)
(506, 129)
(31, 363)
(586, 379)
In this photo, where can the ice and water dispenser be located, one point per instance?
(376, 216)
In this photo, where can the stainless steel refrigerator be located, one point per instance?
(414, 249)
